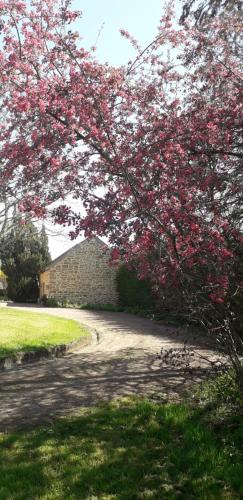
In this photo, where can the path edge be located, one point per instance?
(27, 357)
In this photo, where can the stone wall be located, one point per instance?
(82, 275)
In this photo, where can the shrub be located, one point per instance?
(101, 307)
(133, 292)
(220, 397)
(50, 302)
(3, 297)
(24, 290)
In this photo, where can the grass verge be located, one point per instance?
(27, 331)
(132, 449)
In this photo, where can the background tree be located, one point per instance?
(8, 206)
(24, 253)
(205, 10)
(153, 150)
(11, 194)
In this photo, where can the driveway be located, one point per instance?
(121, 360)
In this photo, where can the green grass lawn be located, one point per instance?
(127, 450)
(25, 331)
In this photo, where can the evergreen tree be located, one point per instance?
(45, 253)
(24, 252)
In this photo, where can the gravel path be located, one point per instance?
(122, 359)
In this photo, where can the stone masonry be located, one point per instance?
(81, 275)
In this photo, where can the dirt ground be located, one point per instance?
(122, 359)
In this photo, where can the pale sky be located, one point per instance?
(140, 18)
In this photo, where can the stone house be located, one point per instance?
(81, 275)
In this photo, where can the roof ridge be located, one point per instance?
(57, 259)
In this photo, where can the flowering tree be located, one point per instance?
(152, 150)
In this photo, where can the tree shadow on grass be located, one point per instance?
(128, 450)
